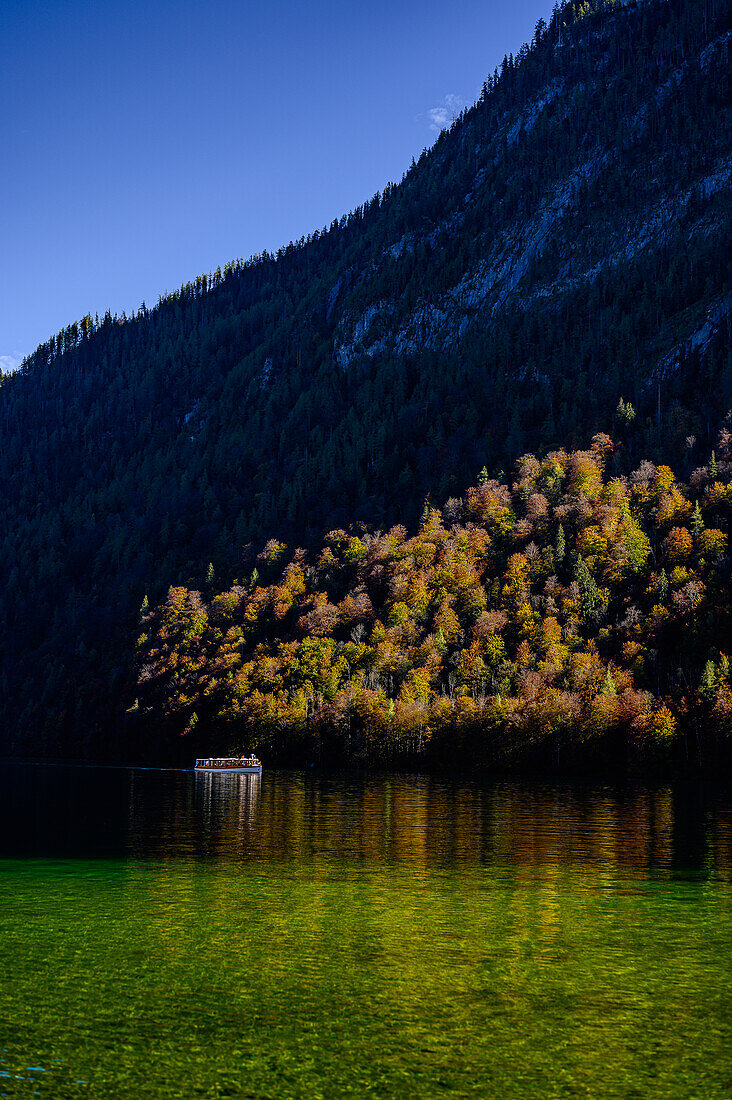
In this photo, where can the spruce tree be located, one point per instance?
(707, 681)
(696, 523)
(662, 586)
(589, 594)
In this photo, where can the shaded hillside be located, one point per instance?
(563, 246)
(573, 616)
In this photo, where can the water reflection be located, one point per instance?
(96, 812)
(228, 805)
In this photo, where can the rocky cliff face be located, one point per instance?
(629, 192)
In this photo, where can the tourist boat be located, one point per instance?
(248, 765)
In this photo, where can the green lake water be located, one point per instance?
(164, 934)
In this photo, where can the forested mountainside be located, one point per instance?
(572, 617)
(563, 246)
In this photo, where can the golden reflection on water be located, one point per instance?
(423, 822)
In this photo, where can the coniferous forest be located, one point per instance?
(273, 459)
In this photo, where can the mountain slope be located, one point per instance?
(563, 246)
(572, 617)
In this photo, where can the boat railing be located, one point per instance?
(228, 762)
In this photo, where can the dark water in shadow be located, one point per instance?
(170, 934)
(118, 813)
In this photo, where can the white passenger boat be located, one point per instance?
(249, 765)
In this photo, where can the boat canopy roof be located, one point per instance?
(233, 760)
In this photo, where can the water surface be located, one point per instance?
(164, 934)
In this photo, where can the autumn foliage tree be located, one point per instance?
(573, 612)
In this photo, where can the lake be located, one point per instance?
(166, 934)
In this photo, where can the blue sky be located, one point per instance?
(146, 142)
